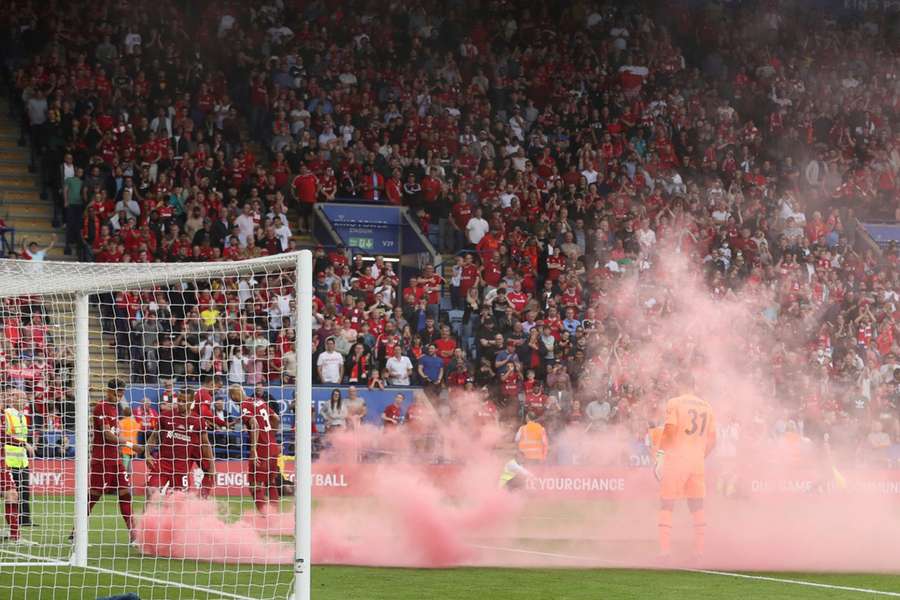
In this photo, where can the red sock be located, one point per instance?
(125, 509)
(12, 519)
(92, 500)
(209, 480)
(259, 497)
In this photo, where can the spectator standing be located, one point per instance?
(445, 345)
(399, 367)
(358, 365)
(34, 253)
(598, 413)
(246, 224)
(73, 202)
(330, 364)
(335, 412)
(476, 228)
(431, 372)
(306, 191)
(393, 413)
(356, 406)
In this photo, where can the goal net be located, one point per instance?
(162, 406)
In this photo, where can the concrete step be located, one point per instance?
(38, 210)
(41, 235)
(28, 224)
(14, 167)
(14, 152)
(18, 199)
(25, 221)
(24, 181)
(104, 363)
(22, 194)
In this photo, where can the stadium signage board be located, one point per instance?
(57, 477)
(371, 229)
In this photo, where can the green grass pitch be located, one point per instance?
(182, 580)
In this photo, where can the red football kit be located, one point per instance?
(178, 435)
(106, 471)
(257, 415)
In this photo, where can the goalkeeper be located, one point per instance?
(688, 436)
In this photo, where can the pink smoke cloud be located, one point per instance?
(401, 516)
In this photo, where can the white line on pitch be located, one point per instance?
(826, 586)
(59, 563)
(165, 582)
(41, 560)
(549, 554)
(32, 565)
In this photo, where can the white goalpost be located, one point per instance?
(169, 413)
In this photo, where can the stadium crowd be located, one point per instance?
(548, 151)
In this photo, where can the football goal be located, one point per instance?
(163, 418)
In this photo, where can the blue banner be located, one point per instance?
(371, 229)
(883, 233)
(376, 400)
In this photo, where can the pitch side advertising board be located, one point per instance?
(57, 477)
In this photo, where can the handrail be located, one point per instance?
(7, 241)
(439, 267)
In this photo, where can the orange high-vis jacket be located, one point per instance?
(532, 439)
(129, 428)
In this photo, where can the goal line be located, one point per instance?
(39, 562)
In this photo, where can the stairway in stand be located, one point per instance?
(20, 200)
(302, 240)
(22, 208)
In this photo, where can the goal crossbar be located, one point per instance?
(25, 277)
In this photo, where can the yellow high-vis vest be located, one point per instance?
(16, 426)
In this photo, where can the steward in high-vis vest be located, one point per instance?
(16, 427)
(532, 440)
(15, 424)
(514, 475)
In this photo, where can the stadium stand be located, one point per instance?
(546, 151)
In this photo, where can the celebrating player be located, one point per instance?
(7, 484)
(180, 431)
(203, 454)
(263, 424)
(688, 436)
(107, 473)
